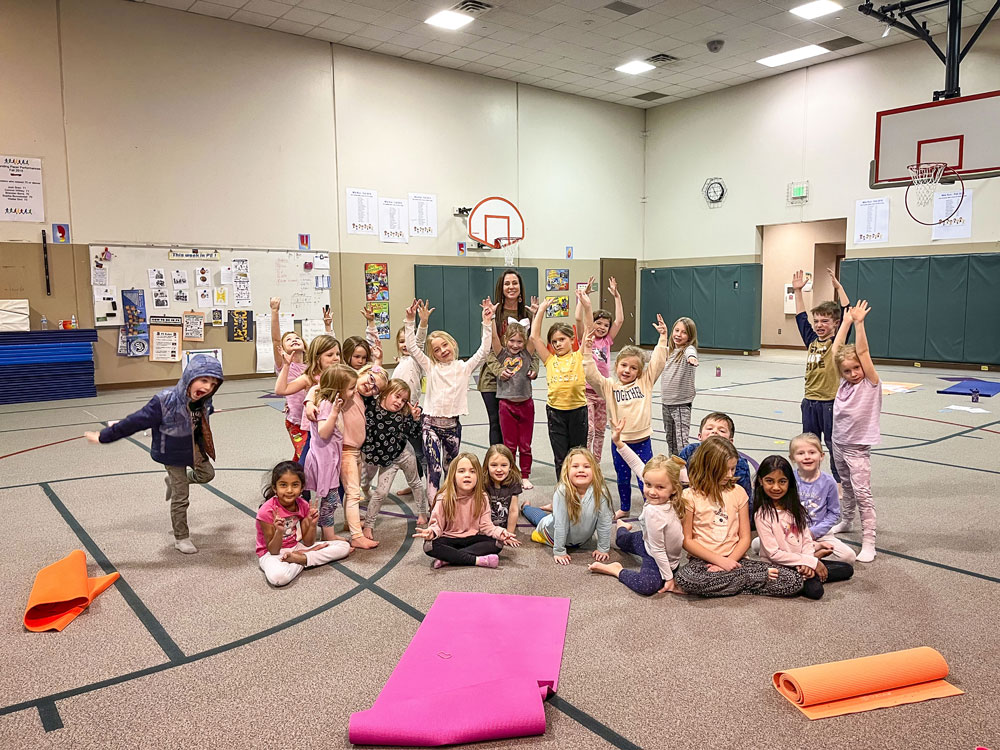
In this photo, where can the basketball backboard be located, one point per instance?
(959, 132)
(494, 218)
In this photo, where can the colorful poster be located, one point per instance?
(376, 282)
(217, 318)
(556, 279)
(362, 211)
(165, 344)
(393, 220)
(193, 324)
(135, 326)
(21, 189)
(560, 309)
(423, 215)
(381, 310)
(220, 296)
(239, 326)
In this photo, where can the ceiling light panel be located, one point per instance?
(794, 55)
(817, 9)
(449, 19)
(635, 67)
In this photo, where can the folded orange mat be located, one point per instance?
(853, 685)
(61, 592)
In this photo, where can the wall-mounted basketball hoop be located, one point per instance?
(496, 222)
(925, 179)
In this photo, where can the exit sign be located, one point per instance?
(798, 193)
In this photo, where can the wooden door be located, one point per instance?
(624, 271)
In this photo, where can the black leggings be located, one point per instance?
(462, 550)
(812, 588)
(567, 430)
(493, 412)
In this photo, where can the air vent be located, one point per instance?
(661, 59)
(472, 7)
(650, 96)
(624, 8)
(841, 42)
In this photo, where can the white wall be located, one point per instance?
(816, 123)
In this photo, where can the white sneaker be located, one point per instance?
(842, 528)
(186, 546)
(755, 545)
(867, 553)
(527, 485)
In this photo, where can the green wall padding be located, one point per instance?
(703, 304)
(982, 310)
(653, 290)
(947, 287)
(875, 285)
(679, 295)
(727, 307)
(908, 308)
(751, 288)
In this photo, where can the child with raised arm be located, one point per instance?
(182, 438)
(460, 531)
(677, 385)
(286, 529)
(409, 371)
(517, 409)
(659, 542)
(856, 414)
(630, 397)
(783, 528)
(605, 329)
(447, 397)
(581, 505)
(821, 372)
(717, 532)
(321, 464)
(566, 407)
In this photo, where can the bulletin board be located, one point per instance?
(271, 273)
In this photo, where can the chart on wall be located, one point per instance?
(213, 280)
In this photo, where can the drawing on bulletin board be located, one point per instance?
(376, 282)
(559, 308)
(381, 311)
(556, 279)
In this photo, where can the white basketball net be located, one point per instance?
(509, 247)
(926, 177)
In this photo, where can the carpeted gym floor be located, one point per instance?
(198, 651)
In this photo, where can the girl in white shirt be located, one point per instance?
(447, 390)
(660, 542)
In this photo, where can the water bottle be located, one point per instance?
(45, 323)
(72, 323)
(718, 372)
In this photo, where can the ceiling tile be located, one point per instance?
(291, 27)
(212, 9)
(421, 56)
(327, 35)
(361, 42)
(346, 25)
(266, 7)
(257, 19)
(303, 15)
(175, 4)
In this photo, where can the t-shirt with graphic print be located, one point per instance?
(716, 528)
(602, 358)
(292, 519)
(500, 501)
(517, 387)
(822, 377)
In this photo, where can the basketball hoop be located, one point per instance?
(508, 245)
(926, 177)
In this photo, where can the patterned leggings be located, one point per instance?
(854, 464)
(299, 440)
(677, 425)
(406, 461)
(328, 506)
(442, 442)
(750, 578)
(597, 422)
(647, 580)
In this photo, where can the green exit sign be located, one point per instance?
(799, 191)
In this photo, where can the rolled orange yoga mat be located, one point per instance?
(854, 685)
(61, 592)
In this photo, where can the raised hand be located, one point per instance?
(488, 310)
(415, 410)
(613, 286)
(533, 307)
(278, 521)
(424, 310)
(860, 311)
(660, 326)
(338, 403)
(368, 312)
(798, 280)
(411, 311)
(275, 303)
(833, 277)
(327, 317)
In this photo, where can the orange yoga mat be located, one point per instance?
(853, 685)
(61, 592)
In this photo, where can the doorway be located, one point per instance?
(623, 270)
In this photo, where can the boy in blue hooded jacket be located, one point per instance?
(182, 437)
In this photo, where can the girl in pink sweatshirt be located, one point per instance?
(461, 531)
(783, 528)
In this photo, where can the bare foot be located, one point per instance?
(546, 508)
(608, 569)
(620, 514)
(367, 531)
(299, 558)
(421, 520)
(362, 543)
(329, 535)
(622, 525)
(438, 564)
(405, 491)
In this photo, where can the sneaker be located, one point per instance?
(755, 545)
(842, 528)
(527, 485)
(185, 546)
(867, 553)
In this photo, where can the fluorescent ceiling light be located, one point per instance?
(817, 9)
(635, 67)
(449, 19)
(885, 33)
(793, 55)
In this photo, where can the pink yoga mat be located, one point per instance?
(478, 668)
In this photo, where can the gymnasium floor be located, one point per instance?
(197, 651)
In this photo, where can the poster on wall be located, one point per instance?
(311, 328)
(240, 326)
(362, 211)
(157, 278)
(871, 221)
(21, 189)
(955, 218)
(381, 311)
(189, 354)
(376, 282)
(193, 324)
(393, 220)
(164, 344)
(241, 282)
(179, 278)
(204, 297)
(559, 308)
(423, 215)
(217, 318)
(556, 279)
(135, 326)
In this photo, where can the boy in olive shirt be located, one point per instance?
(822, 378)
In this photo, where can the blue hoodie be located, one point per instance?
(169, 415)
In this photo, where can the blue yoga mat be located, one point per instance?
(986, 388)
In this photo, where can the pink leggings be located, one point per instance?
(517, 423)
(854, 464)
(597, 421)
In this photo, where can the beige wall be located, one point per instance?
(787, 248)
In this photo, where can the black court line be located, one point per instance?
(49, 715)
(49, 426)
(951, 568)
(147, 618)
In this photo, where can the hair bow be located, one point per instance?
(524, 321)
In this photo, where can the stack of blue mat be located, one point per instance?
(986, 388)
(46, 365)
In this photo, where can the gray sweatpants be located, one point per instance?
(407, 462)
(677, 425)
(750, 578)
(179, 479)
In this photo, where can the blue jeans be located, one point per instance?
(533, 514)
(817, 418)
(644, 450)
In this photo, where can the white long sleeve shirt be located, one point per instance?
(447, 383)
(662, 531)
